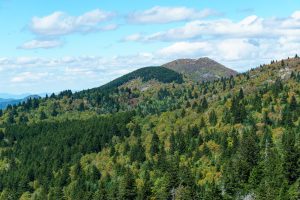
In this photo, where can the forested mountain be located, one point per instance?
(151, 136)
(146, 74)
(202, 69)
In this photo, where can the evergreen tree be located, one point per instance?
(266, 119)
(291, 164)
(213, 119)
(202, 123)
(101, 192)
(247, 155)
(81, 107)
(241, 94)
(154, 148)
(127, 187)
(203, 105)
(272, 180)
(11, 118)
(293, 103)
(43, 115)
(54, 112)
(137, 152)
(172, 143)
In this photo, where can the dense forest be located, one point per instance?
(150, 137)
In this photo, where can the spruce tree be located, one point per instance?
(213, 119)
(291, 157)
(154, 148)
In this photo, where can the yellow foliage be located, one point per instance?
(214, 147)
(4, 164)
(139, 183)
(26, 196)
(277, 133)
(210, 174)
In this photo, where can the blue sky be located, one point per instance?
(52, 45)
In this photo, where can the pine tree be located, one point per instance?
(287, 117)
(247, 155)
(1, 135)
(154, 148)
(127, 187)
(213, 119)
(145, 191)
(204, 104)
(291, 157)
(202, 123)
(241, 94)
(101, 192)
(81, 107)
(43, 115)
(11, 118)
(213, 192)
(293, 104)
(137, 152)
(54, 112)
(172, 143)
(266, 119)
(238, 110)
(272, 179)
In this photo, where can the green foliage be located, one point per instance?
(233, 138)
(160, 74)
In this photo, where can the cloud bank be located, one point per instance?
(60, 23)
(161, 15)
(239, 44)
(41, 44)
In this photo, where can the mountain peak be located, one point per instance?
(202, 69)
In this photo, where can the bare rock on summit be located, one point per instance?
(203, 69)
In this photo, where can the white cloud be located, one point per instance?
(40, 74)
(239, 54)
(133, 37)
(181, 49)
(41, 44)
(168, 14)
(249, 27)
(60, 23)
(109, 27)
(28, 77)
(235, 49)
(225, 50)
(24, 60)
(240, 44)
(296, 15)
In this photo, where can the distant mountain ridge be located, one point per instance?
(203, 69)
(5, 102)
(13, 96)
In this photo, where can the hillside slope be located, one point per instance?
(160, 74)
(203, 69)
(231, 138)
